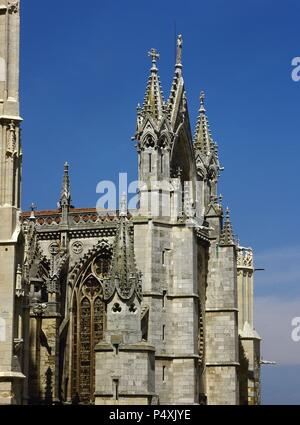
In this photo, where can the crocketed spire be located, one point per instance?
(177, 88)
(227, 237)
(153, 102)
(123, 276)
(65, 197)
(202, 139)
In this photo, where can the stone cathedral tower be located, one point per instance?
(138, 306)
(10, 232)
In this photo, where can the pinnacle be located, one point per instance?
(227, 237)
(153, 101)
(123, 268)
(177, 88)
(65, 198)
(202, 139)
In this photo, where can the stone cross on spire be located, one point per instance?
(154, 56)
(153, 101)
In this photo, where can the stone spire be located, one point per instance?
(202, 139)
(153, 101)
(227, 237)
(65, 197)
(124, 277)
(177, 98)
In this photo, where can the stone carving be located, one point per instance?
(77, 247)
(245, 258)
(116, 308)
(13, 6)
(91, 287)
(54, 248)
(39, 309)
(11, 140)
(179, 50)
(19, 289)
(133, 308)
(248, 260)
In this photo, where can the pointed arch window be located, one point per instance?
(88, 325)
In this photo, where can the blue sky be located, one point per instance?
(84, 69)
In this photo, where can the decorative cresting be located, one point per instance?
(227, 237)
(123, 278)
(245, 258)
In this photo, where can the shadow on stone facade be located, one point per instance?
(49, 388)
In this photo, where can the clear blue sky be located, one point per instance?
(84, 69)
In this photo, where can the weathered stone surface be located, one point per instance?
(115, 308)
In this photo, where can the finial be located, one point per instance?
(179, 51)
(202, 98)
(154, 56)
(123, 205)
(65, 197)
(33, 207)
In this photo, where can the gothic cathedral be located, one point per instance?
(152, 305)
